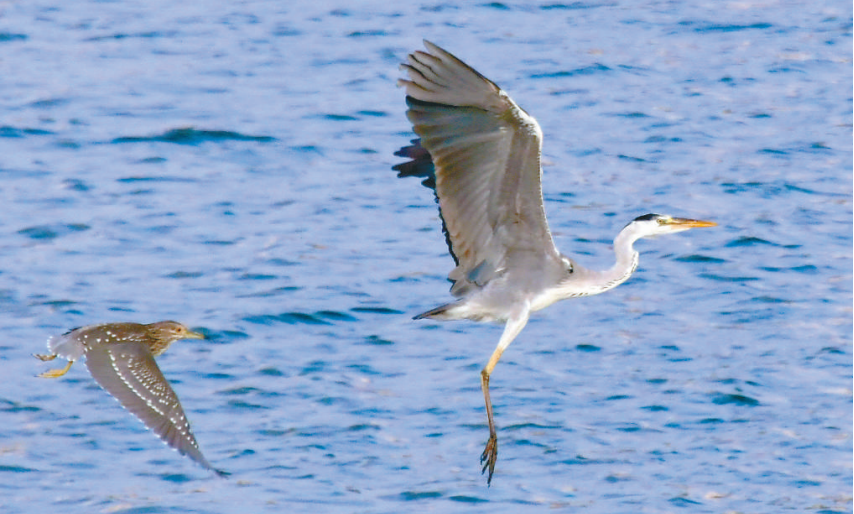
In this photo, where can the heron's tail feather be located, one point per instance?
(441, 312)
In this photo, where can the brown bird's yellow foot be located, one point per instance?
(55, 373)
(489, 456)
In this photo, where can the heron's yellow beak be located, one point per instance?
(193, 335)
(688, 223)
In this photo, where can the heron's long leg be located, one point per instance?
(514, 325)
(54, 373)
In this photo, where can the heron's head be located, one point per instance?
(657, 224)
(169, 331)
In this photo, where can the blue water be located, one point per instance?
(228, 164)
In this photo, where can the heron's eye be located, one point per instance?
(567, 264)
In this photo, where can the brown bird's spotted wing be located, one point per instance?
(128, 371)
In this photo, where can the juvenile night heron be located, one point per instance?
(480, 153)
(120, 356)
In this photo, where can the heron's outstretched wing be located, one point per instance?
(127, 371)
(486, 154)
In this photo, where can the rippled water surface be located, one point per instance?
(227, 164)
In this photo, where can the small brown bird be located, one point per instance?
(120, 356)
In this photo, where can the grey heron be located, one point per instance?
(480, 153)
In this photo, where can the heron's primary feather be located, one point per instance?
(486, 153)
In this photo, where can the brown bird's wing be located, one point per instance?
(127, 371)
(486, 153)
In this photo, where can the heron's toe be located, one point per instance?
(489, 456)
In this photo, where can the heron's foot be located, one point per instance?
(489, 456)
(56, 373)
(43, 357)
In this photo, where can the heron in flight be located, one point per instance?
(480, 153)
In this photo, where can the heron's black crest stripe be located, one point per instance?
(648, 217)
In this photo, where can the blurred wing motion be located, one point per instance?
(486, 153)
(127, 371)
(68, 346)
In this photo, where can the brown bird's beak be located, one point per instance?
(193, 335)
(688, 223)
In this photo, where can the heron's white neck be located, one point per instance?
(627, 259)
(586, 282)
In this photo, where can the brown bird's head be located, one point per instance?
(164, 333)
